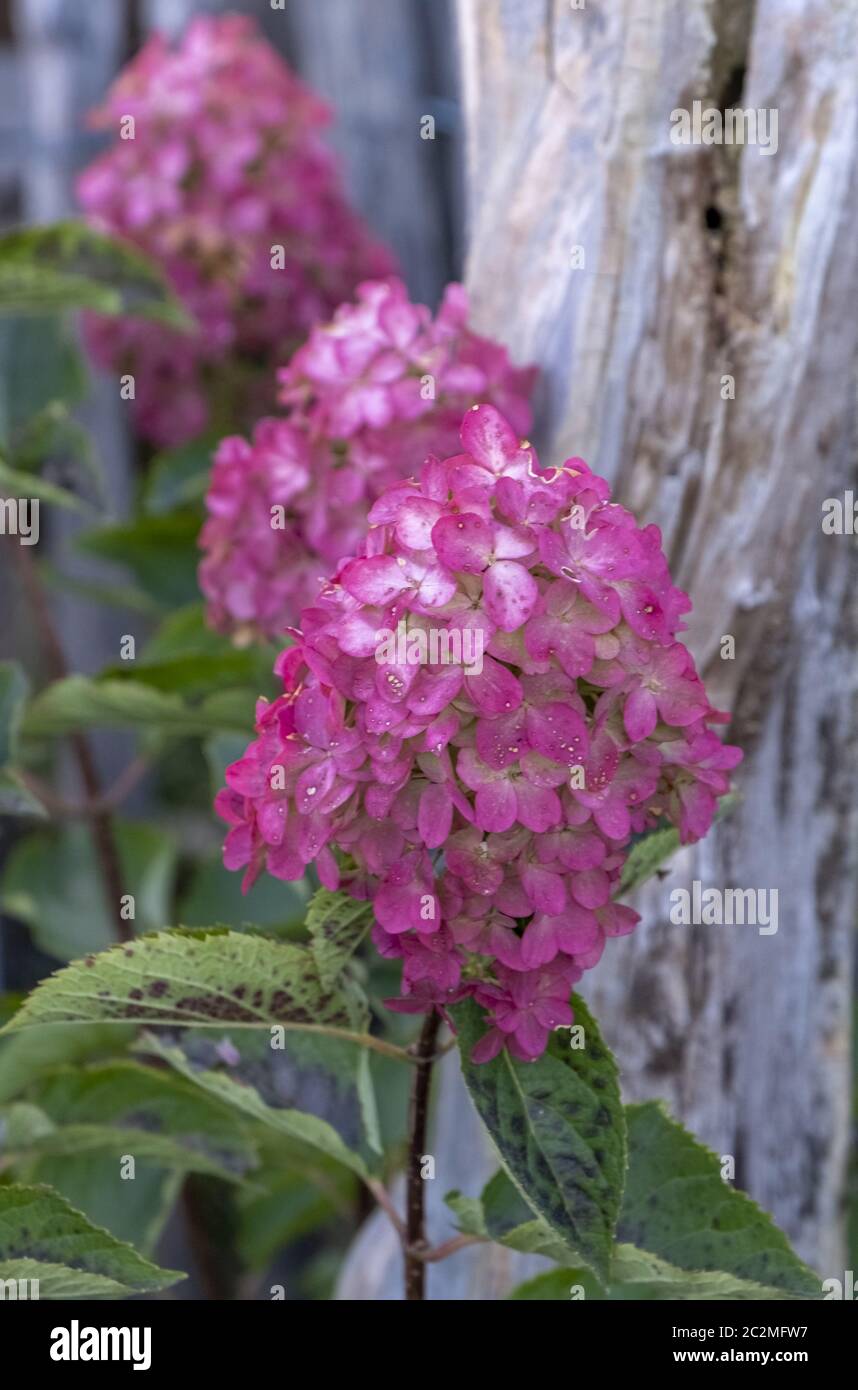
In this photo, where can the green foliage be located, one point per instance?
(83, 702)
(501, 1214)
(51, 882)
(15, 798)
(647, 856)
(638, 1276)
(178, 478)
(48, 270)
(257, 1084)
(337, 924)
(184, 978)
(43, 1237)
(678, 1206)
(40, 366)
(558, 1126)
(122, 1108)
(160, 551)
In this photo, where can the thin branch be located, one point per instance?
(385, 1201)
(101, 828)
(423, 1053)
(451, 1247)
(110, 800)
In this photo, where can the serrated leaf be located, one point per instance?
(645, 1278)
(296, 1124)
(43, 1237)
(637, 1275)
(327, 1077)
(678, 1207)
(558, 1126)
(337, 924)
(563, 1285)
(186, 978)
(50, 269)
(120, 1108)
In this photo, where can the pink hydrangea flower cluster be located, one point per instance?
(381, 383)
(484, 806)
(225, 180)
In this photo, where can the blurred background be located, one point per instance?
(699, 264)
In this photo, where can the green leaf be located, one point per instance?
(560, 1285)
(337, 924)
(179, 477)
(54, 439)
(678, 1206)
(637, 1275)
(16, 799)
(558, 1126)
(47, 270)
(655, 847)
(22, 1124)
(213, 897)
(51, 882)
(290, 1206)
(307, 1129)
(646, 857)
(43, 1237)
(39, 365)
(82, 702)
(160, 551)
(14, 688)
(122, 1108)
(14, 483)
(641, 1277)
(184, 978)
(186, 656)
(30, 1054)
(502, 1215)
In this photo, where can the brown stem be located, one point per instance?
(451, 1247)
(385, 1201)
(101, 828)
(418, 1115)
(109, 800)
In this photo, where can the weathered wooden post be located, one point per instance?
(692, 308)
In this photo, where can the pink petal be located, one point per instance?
(640, 714)
(463, 542)
(376, 580)
(510, 593)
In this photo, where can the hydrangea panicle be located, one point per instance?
(381, 383)
(225, 180)
(485, 810)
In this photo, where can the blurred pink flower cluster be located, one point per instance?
(368, 397)
(218, 170)
(480, 710)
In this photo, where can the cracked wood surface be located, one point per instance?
(702, 262)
